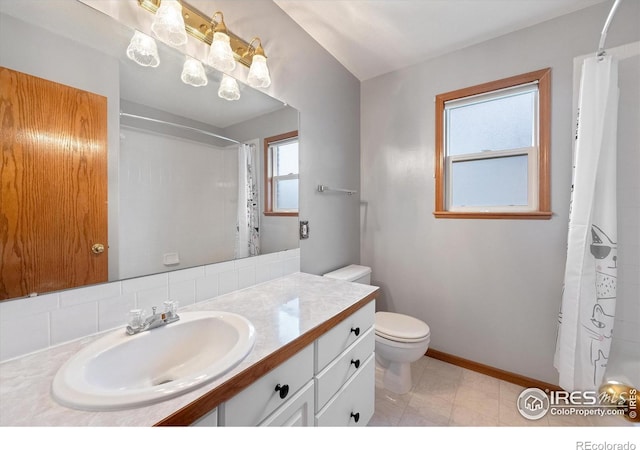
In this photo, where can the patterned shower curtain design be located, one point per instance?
(589, 296)
(248, 225)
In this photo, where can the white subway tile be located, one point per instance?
(187, 274)
(290, 265)
(246, 277)
(183, 292)
(149, 298)
(74, 322)
(145, 283)
(266, 259)
(213, 269)
(263, 273)
(29, 306)
(291, 253)
(89, 294)
(276, 270)
(22, 335)
(113, 312)
(245, 262)
(206, 288)
(227, 282)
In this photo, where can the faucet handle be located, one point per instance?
(135, 318)
(171, 307)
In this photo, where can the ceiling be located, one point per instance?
(373, 37)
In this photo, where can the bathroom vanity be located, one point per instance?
(312, 364)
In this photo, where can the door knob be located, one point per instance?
(97, 248)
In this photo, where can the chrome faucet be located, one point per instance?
(137, 324)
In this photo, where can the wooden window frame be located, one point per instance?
(543, 78)
(268, 180)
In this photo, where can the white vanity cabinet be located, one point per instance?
(345, 371)
(331, 382)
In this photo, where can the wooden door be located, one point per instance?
(53, 197)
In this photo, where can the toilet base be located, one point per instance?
(396, 377)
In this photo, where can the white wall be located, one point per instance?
(172, 190)
(489, 289)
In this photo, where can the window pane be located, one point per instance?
(286, 194)
(490, 182)
(286, 158)
(497, 124)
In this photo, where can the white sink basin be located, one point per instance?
(120, 371)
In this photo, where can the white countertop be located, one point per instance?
(281, 310)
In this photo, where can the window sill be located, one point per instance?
(534, 215)
(282, 214)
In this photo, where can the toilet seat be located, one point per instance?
(400, 327)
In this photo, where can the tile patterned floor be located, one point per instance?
(448, 395)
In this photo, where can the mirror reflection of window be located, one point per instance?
(281, 174)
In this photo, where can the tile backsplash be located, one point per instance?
(32, 324)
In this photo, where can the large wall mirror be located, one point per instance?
(182, 166)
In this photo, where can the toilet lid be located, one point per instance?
(400, 326)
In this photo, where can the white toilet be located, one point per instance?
(400, 339)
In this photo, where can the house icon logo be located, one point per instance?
(533, 403)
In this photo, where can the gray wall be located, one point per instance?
(489, 289)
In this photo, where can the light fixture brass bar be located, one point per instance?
(200, 26)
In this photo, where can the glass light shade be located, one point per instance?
(259, 72)
(168, 24)
(228, 89)
(193, 73)
(143, 50)
(221, 56)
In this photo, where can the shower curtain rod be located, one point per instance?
(177, 125)
(603, 35)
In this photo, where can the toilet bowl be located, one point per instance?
(399, 339)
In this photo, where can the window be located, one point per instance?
(281, 175)
(492, 149)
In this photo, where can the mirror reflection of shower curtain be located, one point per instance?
(589, 296)
(248, 223)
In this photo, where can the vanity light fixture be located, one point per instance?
(228, 89)
(258, 72)
(203, 27)
(220, 55)
(143, 50)
(168, 24)
(193, 72)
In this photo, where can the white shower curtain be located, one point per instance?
(589, 296)
(248, 226)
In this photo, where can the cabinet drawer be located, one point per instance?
(252, 405)
(296, 412)
(336, 340)
(354, 401)
(329, 380)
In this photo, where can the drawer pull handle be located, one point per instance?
(355, 362)
(356, 417)
(356, 331)
(283, 390)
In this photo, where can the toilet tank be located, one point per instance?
(353, 272)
